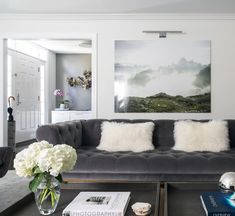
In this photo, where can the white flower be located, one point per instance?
(66, 156)
(26, 160)
(38, 146)
(23, 164)
(54, 160)
(44, 159)
(59, 159)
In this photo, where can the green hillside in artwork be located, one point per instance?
(162, 102)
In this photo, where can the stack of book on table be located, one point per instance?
(217, 204)
(98, 203)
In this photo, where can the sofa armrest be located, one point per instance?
(6, 154)
(69, 133)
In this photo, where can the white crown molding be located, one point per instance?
(97, 17)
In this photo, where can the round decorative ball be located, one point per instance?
(227, 184)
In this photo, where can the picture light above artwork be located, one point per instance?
(162, 34)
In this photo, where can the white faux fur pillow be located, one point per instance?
(136, 137)
(197, 136)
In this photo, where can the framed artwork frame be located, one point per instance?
(172, 76)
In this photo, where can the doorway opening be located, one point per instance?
(35, 68)
(26, 67)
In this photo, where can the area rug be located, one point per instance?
(12, 189)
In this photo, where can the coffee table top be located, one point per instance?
(140, 192)
(183, 199)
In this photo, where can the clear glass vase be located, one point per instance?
(47, 195)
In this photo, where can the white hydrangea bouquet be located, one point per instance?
(44, 163)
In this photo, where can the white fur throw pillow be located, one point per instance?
(201, 136)
(136, 137)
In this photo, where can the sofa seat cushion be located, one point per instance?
(91, 160)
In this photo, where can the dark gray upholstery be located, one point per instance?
(161, 164)
(67, 132)
(6, 154)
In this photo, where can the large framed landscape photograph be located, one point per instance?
(162, 76)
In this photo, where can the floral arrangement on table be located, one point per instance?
(44, 163)
(60, 93)
(84, 82)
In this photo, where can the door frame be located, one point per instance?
(31, 36)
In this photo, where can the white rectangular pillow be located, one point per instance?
(201, 136)
(136, 137)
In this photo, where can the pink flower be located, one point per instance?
(59, 92)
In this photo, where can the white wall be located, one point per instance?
(219, 29)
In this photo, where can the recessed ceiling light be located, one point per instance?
(85, 43)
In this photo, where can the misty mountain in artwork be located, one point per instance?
(176, 80)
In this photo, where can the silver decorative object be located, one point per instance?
(227, 184)
(84, 82)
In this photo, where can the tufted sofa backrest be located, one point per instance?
(69, 132)
(88, 132)
(162, 134)
(231, 127)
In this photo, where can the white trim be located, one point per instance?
(2, 119)
(45, 35)
(123, 16)
(5, 105)
(94, 66)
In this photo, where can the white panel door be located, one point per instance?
(26, 90)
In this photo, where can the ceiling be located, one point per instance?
(66, 46)
(117, 6)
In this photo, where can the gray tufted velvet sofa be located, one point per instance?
(161, 164)
(6, 154)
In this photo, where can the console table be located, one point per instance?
(69, 115)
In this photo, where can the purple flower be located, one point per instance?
(59, 92)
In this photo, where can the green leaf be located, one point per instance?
(36, 170)
(60, 178)
(35, 182)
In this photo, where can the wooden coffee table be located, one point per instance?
(183, 199)
(140, 192)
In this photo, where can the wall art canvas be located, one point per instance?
(162, 76)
